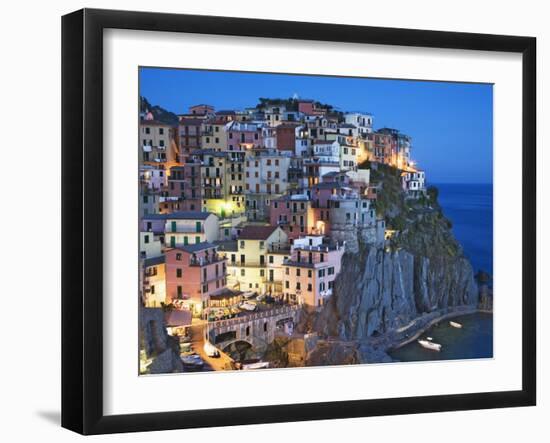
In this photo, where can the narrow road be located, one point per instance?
(221, 363)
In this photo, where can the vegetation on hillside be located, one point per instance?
(422, 227)
(160, 114)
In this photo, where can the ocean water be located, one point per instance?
(470, 208)
(473, 340)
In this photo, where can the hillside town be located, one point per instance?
(245, 216)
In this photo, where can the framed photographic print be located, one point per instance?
(270, 221)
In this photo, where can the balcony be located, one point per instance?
(204, 261)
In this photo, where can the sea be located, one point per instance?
(470, 209)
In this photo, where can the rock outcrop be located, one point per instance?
(382, 290)
(158, 347)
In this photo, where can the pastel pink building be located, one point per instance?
(311, 269)
(295, 215)
(194, 273)
(241, 136)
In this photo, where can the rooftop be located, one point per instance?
(256, 232)
(188, 215)
(153, 261)
(196, 247)
(226, 245)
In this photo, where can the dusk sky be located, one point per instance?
(451, 123)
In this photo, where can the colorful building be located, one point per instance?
(190, 227)
(194, 273)
(248, 264)
(311, 269)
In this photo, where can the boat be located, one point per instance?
(429, 338)
(430, 345)
(192, 361)
(454, 324)
(258, 365)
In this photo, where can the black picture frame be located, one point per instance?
(82, 188)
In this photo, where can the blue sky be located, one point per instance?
(451, 123)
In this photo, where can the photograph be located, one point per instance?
(290, 220)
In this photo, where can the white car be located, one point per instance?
(247, 306)
(211, 350)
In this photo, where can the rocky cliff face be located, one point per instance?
(379, 291)
(161, 349)
(421, 269)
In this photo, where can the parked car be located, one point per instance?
(248, 295)
(248, 306)
(211, 350)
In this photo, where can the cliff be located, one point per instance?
(420, 270)
(380, 291)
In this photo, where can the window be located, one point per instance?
(178, 256)
(309, 274)
(147, 130)
(298, 286)
(270, 259)
(178, 273)
(146, 239)
(297, 272)
(242, 272)
(287, 284)
(262, 272)
(309, 288)
(242, 245)
(287, 271)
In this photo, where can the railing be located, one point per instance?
(202, 261)
(256, 316)
(184, 230)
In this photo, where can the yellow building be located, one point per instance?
(214, 135)
(259, 250)
(154, 281)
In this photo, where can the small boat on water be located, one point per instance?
(430, 345)
(257, 365)
(454, 324)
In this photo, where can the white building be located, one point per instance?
(190, 227)
(362, 120)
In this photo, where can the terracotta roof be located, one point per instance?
(256, 232)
